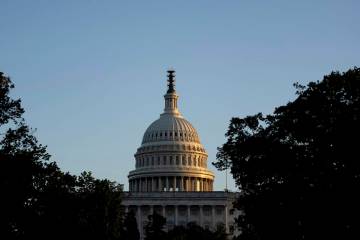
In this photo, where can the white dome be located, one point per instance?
(170, 127)
(171, 157)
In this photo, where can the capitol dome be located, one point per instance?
(171, 156)
(169, 127)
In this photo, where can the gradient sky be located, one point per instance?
(92, 74)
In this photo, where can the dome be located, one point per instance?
(171, 157)
(170, 127)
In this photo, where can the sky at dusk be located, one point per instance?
(92, 74)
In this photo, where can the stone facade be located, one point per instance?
(207, 209)
(171, 175)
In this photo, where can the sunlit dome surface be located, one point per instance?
(170, 127)
(171, 157)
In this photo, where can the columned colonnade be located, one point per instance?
(175, 218)
(170, 183)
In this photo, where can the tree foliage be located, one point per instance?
(154, 229)
(298, 169)
(38, 200)
(130, 230)
(194, 232)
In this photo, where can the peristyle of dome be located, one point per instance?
(171, 157)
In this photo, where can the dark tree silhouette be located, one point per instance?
(130, 229)
(298, 169)
(38, 200)
(21, 165)
(194, 232)
(100, 212)
(154, 229)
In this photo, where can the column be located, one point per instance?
(181, 184)
(226, 219)
(174, 184)
(176, 214)
(188, 213)
(152, 209)
(213, 216)
(201, 215)
(146, 185)
(153, 186)
(139, 220)
(140, 185)
(163, 211)
(167, 183)
(160, 185)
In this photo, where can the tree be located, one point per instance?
(38, 200)
(154, 229)
(298, 168)
(130, 229)
(22, 164)
(99, 206)
(192, 231)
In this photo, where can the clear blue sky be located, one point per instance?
(91, 74)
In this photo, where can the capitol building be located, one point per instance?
(171, 176)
